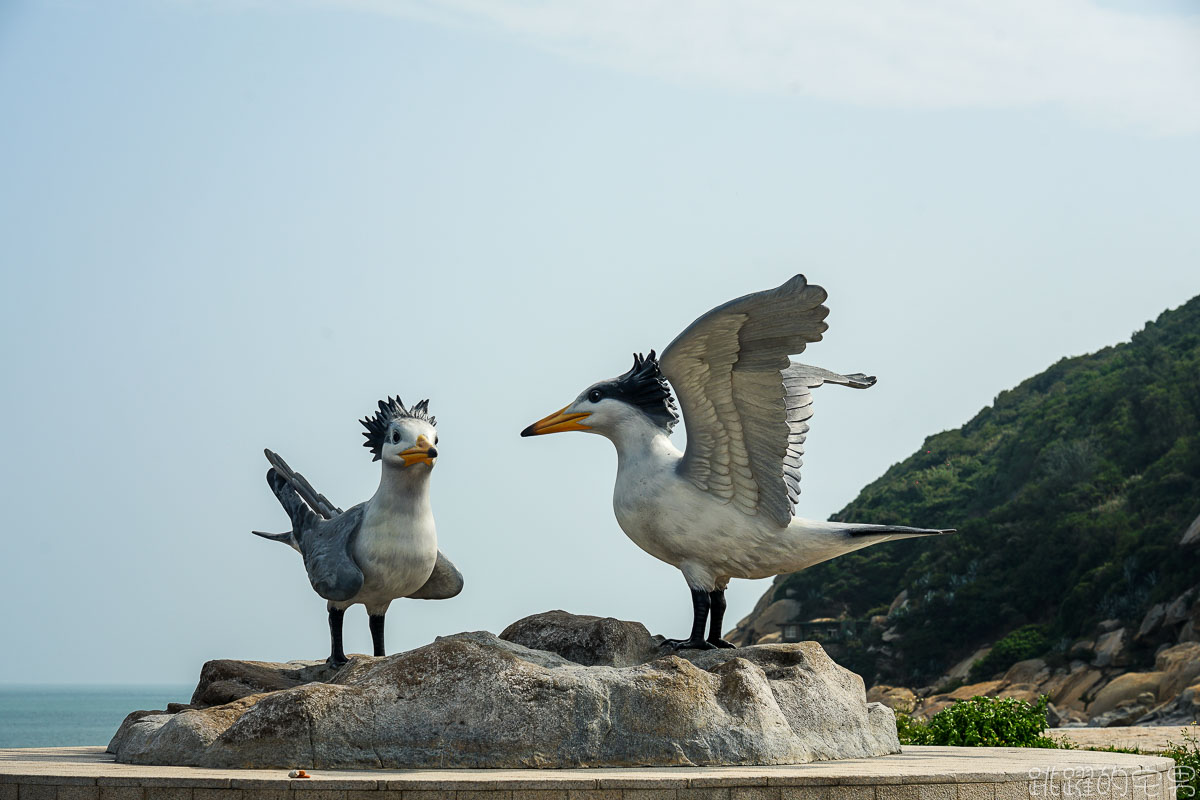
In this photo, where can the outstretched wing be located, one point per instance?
(315, 500)
(798, 382)
(744, 406)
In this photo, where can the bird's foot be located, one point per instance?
(688, 644)
(336, 662)
(722, 644)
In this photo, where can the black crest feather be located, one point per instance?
(391, 409)
(645, 386)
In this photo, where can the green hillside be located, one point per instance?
(1070, 494)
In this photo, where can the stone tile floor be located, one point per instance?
(919, 773)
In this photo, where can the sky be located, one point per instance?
(228, 225)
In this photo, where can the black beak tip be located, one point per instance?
(433, 452)
(527, 432)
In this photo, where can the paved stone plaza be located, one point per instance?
(919, 773)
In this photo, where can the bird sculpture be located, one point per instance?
(724, 507)
(380, 550)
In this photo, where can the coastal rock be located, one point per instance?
(896, 698)
(1181, 710)
(477, 700)
(1124, 688)
(1192, 534)
(1078, 684)
(1179, 609)
(962, 669)
(223, 681)
(1110, 649)
(1180, 666)
(1031, 671)
(591, 641)
(1150, 622)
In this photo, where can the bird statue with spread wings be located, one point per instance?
(723, 508)
(380, 550)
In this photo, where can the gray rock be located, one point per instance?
(591, 641)
(1179, 609)
(223, 681)
(1030, 671)
(1192, 534)
(1181, 710)
(1150, 622)
(1110, 649)
(475, 700)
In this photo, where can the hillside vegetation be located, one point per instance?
(1070, 494)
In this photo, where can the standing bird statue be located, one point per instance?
(379, 550)
(723, 508)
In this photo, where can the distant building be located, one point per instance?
(821, 630)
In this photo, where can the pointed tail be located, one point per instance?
(303, 518)
(894, 531)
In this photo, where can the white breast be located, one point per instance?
(396, 553)
(708, 539)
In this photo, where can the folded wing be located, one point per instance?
(326, 547)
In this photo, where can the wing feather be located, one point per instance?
(745, 404)
(314, 499)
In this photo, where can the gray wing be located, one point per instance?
(332, 570)
(315, 500)
(445, 581)
(798, 382)
(745, 426)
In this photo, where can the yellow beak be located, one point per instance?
(558, 422)
(422, 453)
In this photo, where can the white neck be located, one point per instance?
(403, 489)
(639, 440)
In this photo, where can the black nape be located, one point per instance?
(645, 388)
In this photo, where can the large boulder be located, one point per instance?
(1180, 666)
(476, 700)
(1124, 688)
(586, 640)
(1030, 671)
(223, 681)
(1110, 649)
(1078, 684)
(897, 698)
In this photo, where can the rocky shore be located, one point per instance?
(1141, 673)
(553, 690)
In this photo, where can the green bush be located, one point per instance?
(1187, 765)
(981, 722)
(1018, 645)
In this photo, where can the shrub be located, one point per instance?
(981, 722)
(1018, 645)
(1187, 765)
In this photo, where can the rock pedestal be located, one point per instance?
(555, 690)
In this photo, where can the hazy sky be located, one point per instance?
(233, 225)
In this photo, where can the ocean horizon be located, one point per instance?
(75, 715)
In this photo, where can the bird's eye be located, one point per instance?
(395, 437)
(435, 438)
(595, 395)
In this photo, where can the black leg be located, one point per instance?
(337, 658)
(376, 621)
(700, 603)
(716, 611)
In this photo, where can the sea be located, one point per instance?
(73, 716)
